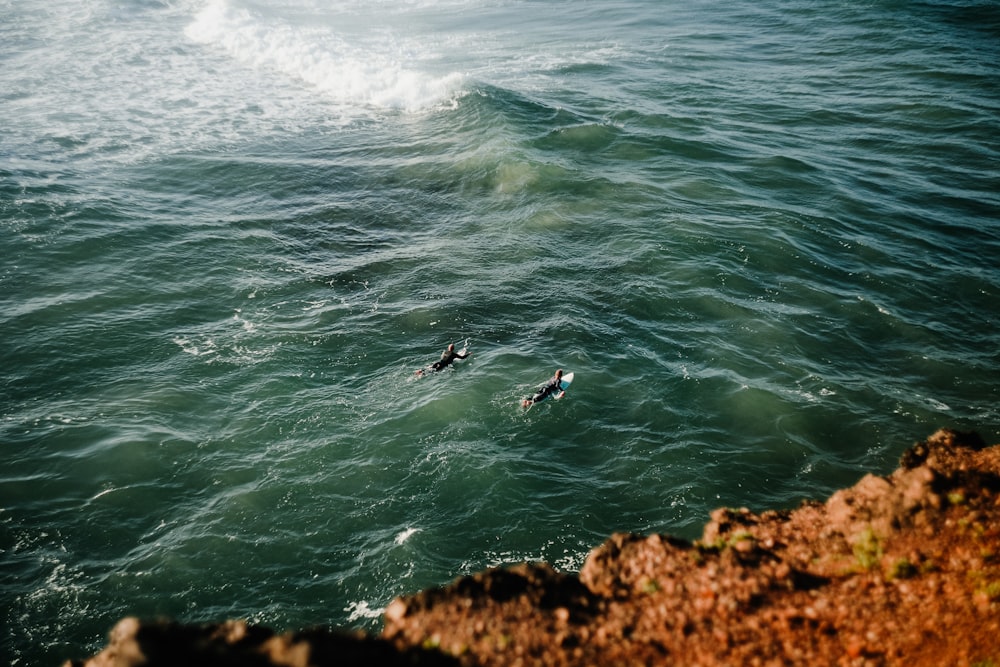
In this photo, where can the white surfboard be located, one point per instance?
(564, 383)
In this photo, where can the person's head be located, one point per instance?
(451, 347)
(559, 373)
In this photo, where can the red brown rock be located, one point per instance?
(897, 570)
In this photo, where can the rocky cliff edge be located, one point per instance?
(897, 570)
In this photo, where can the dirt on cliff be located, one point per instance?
(897, 570)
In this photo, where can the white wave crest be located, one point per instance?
(405, 535)
(367, 70)
(361, 610)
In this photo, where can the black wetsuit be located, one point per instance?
(447, 357)
(550, 387)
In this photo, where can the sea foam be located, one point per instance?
(363, 70)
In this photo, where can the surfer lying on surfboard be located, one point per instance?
(448, 356)
(552, 387)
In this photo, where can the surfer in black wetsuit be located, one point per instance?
(448, 356)
(550, 387)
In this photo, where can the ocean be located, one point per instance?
(765, 236)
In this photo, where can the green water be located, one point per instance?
(764, 237)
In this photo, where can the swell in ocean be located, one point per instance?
(763, 237)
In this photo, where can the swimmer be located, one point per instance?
(448, 356)
(549, 388)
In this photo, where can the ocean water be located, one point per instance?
(764, 235)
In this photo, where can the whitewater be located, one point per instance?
(763, 236)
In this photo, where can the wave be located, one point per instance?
(367, 70)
